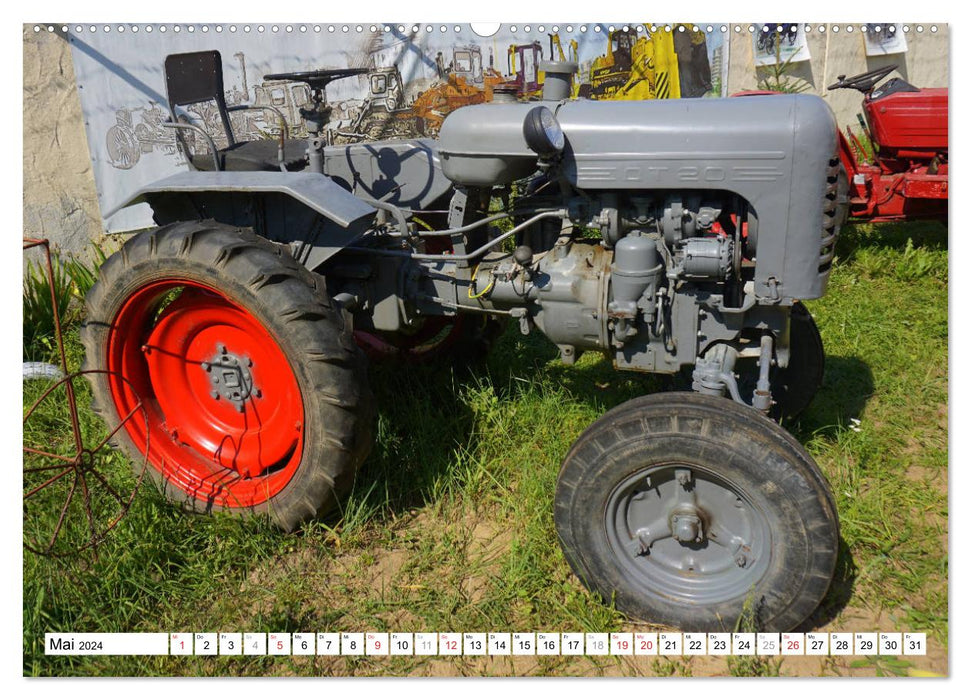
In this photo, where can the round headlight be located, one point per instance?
(542, 132)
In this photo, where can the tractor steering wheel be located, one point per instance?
(864, 82)
(317, 79)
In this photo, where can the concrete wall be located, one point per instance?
(60, 200)
(924, 64)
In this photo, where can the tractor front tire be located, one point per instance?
(693, 511)
(255, 392)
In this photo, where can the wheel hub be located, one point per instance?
(84, 461)
(230, 377)
(687, 527)
(685, 531)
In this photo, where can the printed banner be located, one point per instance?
(413, 76)
(779, 43)
(884, 38)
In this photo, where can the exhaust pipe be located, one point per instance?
(558, 83)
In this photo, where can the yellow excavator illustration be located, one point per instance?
(641, 65)
(555, 41)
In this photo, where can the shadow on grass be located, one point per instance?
(847, 386)
(426, 422)
(923, 234)
(422, 421)
(593, 381)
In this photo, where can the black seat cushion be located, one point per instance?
(256, 155)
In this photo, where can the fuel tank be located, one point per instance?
(483, 145)
(406, 173)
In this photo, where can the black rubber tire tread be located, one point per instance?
(293, 306)
(728, 439)
(795, 386)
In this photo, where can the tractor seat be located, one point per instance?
(255, 155)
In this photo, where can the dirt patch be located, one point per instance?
(404, 564)
(487, 540)
(486, 543)
(861, 620)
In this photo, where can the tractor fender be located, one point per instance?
(307, 208)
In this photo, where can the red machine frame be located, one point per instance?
(906, 176)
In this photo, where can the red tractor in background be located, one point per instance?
(904, 174)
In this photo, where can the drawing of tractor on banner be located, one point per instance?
(465, 82)
(635, 67)
(283, 95)
(286, 96)
(384, 114)
(137, 131)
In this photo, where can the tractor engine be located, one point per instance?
(669, 229)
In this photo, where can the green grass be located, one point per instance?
(72, 278)
(449, 526)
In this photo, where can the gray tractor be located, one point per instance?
(673, 236)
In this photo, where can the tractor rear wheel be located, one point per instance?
(462, 341)
(256, 395)
(693, 511)
(795, 386)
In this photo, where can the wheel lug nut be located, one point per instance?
(214, 394)
(206, 366)
(222, 349)
(258, 394)
(741, 560)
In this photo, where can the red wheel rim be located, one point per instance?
(225, 413)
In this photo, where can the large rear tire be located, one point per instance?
(693, 511)
(461, 341)
(795, 386)
(255, 392)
